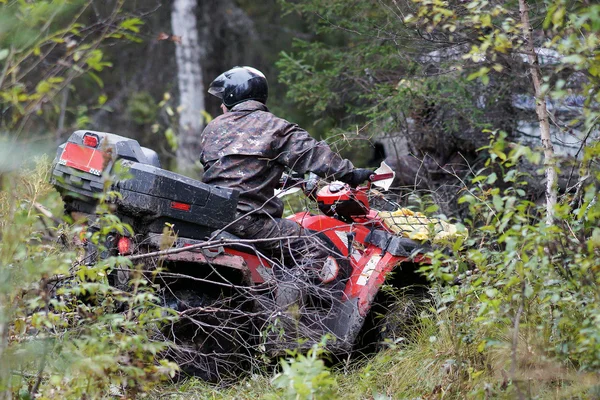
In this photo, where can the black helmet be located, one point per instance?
(240, 84)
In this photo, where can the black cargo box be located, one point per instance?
(155, 197)
(150, 198)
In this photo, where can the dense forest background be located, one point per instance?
(378, 87)
(487, 110)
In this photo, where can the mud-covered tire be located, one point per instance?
(208, 344)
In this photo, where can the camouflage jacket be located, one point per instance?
(248, 149)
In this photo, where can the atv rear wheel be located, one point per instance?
(209, 341)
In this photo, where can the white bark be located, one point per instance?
(191, 89)
(542, 113)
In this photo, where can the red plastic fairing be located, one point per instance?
(82, 158)
(334, 192)
(251, 266)
(372, 219)
(334, 229)
(370, 274)
(369, 266)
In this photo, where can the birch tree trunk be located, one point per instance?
(191, 89)
(542, 113)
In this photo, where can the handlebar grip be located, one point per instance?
(381, 177)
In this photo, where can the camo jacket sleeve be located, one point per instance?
(300, 152)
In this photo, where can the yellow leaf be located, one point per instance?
(481, 347)
(476, 374)
(486, 20)
(207, 117)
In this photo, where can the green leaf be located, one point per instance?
(171, 139)
(432, 209)
(575, 59)
(498, 203)
(96, 79)
(548, 17)
(558, 17)
(132, 24)
(486, 20)
(491, 178)
(3, 54)
(481, 74)
(481, 346)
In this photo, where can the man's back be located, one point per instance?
(248, 149)
(239, 149)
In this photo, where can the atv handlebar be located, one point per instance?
(287, 181)
(380, 177)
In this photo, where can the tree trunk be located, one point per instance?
(542, 112)
(191, 88)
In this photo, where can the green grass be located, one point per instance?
(433, 365)
(448, 355)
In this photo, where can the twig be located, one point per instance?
(43, 210)
(41, 368)
(5, 69)
(61, 117)
(206, 244)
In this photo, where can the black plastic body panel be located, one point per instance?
(158, 182)
(395, 245)
(345, 322)
(343, 208)
(79, 188)
(147, 197)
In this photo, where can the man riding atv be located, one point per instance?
(248, 148)
(231, 301)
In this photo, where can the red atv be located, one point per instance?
(224, 290)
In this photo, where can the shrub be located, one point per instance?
(67, 333)
(306, 376)
(532, 289)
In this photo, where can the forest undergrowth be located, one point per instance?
(513, 312)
